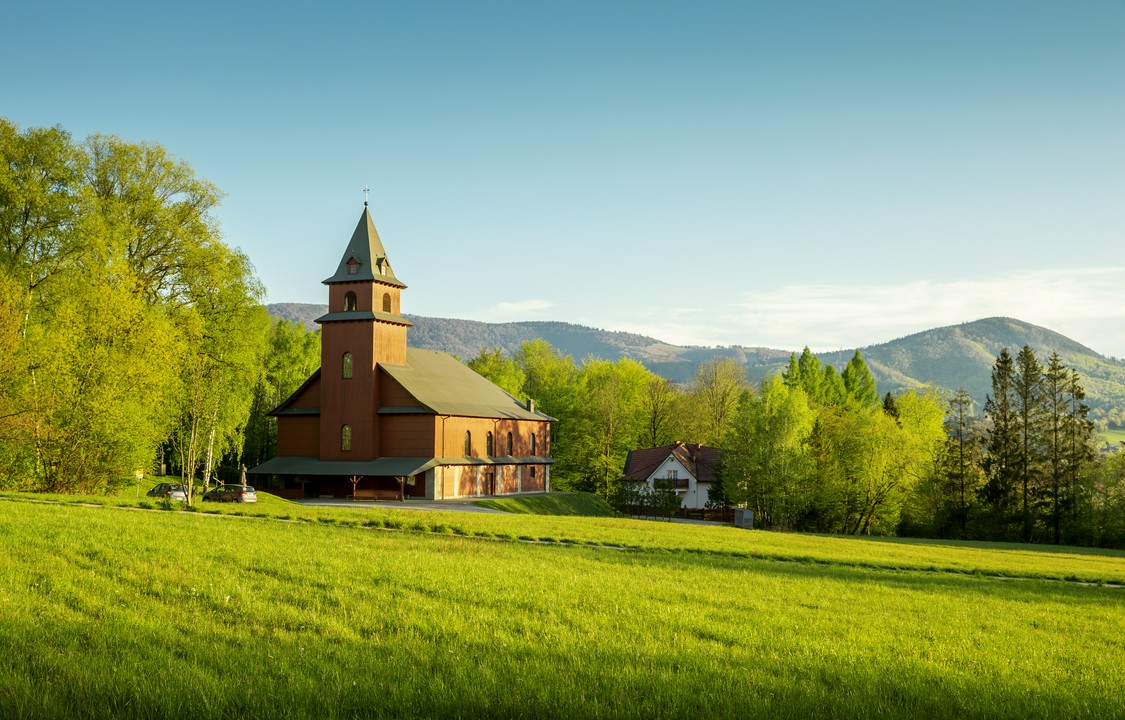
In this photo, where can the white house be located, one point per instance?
(688, 468)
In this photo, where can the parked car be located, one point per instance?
(232, 493)
(169, 491)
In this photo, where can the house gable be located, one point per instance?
(671, 468)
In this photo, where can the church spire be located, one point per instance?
(365, 258)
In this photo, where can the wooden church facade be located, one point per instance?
(380, 418)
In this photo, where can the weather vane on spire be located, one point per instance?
(365, 191)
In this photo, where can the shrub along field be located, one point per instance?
(108, 612)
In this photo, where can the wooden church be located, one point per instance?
(381, 420)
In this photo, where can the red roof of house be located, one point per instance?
(701, 461)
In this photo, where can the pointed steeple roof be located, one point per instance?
(365, 258)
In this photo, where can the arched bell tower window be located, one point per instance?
(347, 364)
(386, 302)
(509, 443)
(346, 438)
(349, 301)
(488, 444)
(468, 444)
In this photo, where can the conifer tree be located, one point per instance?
(791, 376)
(889, 406)
(961, 455)
(832, 389)
(811, 375)
(859, 382)
(1056, 386)
(1002, 441)
(1080, 436)
(1030, 410)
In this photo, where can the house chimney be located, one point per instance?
(530, 405)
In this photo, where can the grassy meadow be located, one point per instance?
(1114, 435)
(559, 503)
(281, 610)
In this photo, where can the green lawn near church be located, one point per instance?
(108, 612)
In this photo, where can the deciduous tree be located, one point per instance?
(715, 392)
(766, 463)
(501, 370)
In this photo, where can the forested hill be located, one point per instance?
(949, 357)
(963, 355)
(466, 338)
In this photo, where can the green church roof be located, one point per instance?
(446, 386)
(365, 250)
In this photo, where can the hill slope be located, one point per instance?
(948, 357)
(963, 355)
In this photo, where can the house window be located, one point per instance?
(488, 444)
(509, 443)
(386, 302)
(347, 365)
(349, 302)
(346, 438)
(353, 266)
(468, 444)
(532, 443)
(673, 474)
(532, 472)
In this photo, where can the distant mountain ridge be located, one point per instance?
(963, 355)
(948, 357)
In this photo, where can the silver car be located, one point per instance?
(232, 493)
(169, 491)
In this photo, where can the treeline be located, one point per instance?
(130, 335)
(812, 449)
(1028, 469)
(815, 449)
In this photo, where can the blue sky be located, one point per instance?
(756, 173)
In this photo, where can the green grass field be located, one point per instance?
(580, 504)
(372, 612)
(1113, 436)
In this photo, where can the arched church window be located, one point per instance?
(509, 443)
(346, 437)
(349, 301)
(347, 363)
(386, 302)
(488, 444)
(468, 444)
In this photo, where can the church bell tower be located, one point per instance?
(363, 328)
